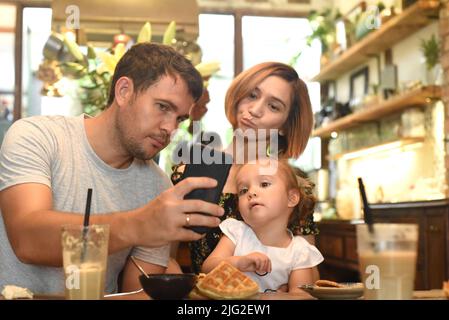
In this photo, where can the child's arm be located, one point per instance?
(298, 278)
(316, 274)
(224, 251)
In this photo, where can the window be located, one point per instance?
(7, 36)
(36, 30)
(217, 43)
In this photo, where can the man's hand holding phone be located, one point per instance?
(217, 171)
(171, 214)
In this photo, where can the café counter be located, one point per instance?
(337, 241)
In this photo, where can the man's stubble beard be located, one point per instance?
(129, 144)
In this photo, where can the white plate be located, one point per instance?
(352, 290)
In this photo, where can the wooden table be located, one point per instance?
(418, 295)
(143, 296)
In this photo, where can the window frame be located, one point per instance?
(238, 38)
(18, 48)
(238, 15)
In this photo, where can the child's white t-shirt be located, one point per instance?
(298, 255)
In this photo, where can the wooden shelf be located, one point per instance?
(381, 147)
(393, 31)
(418, 97)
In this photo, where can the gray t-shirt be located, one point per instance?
(54, 150)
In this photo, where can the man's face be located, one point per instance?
(145, 121)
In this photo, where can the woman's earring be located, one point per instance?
(281, 132)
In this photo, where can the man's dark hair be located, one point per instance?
(146, 63)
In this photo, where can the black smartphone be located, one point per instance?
(207, 162)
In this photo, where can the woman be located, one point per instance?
(267, 96)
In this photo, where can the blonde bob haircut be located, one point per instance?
(298, 126)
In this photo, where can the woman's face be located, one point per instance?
(265, 107)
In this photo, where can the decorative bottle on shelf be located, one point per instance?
(434, 75)
(431, 48)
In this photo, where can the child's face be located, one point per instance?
(264, 198)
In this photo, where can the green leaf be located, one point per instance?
(169, 33)
(294, 59)
(91, 53)
(73, 70)
(74, 49)
(431, 51)
(145, 33)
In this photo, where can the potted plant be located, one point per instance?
(323, 29)
(430, 49)
(92, 72)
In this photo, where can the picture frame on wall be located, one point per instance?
(328, 92)
(328, 96)
(358, 87)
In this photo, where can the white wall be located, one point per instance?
(408, 57)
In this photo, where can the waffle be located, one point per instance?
(227, 282)
(195, 293)
(328, 284)
(200, 277)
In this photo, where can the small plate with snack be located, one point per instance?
(330, 290)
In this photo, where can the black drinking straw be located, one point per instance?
(366, 209)
(87, 211)
(86, 222)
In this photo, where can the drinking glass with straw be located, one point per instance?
(387, 256)
(85, 253)
(368, 216)
(86, 223)
(366, 209)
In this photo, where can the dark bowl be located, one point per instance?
(168, 286)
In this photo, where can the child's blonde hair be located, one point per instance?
(307, 200)
(294, 179)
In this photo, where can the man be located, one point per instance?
(48, 163)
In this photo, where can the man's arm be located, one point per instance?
(131, 274)
(34, 228)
